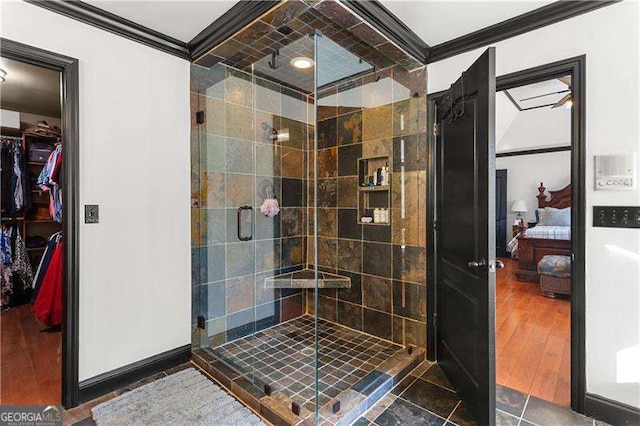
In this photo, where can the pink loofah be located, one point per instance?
(270, 207)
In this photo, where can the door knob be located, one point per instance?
(499, 264)
(476, 264)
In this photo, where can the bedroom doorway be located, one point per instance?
(507, 401)
(533, 303)
(539, 293)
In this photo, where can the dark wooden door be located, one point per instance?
(465, 238)
(501, 213)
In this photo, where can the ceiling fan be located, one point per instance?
(565, 101)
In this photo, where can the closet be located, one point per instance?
(31, 217)
(31, 238)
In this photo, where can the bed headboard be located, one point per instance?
(560, 199)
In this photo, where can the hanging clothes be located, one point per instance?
(14, 178)
(15, 273)
(21, 263)
(50, 180)
(48, 303)
(52, 243)
(6, 276)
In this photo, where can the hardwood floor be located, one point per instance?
(533, 339)
(31, 367)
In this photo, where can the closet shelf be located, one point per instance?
(40, 221)
(36, 248)
(36, 163)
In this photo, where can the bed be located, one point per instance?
(536, 242)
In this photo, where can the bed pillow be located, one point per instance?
(557, 217)
(540, 216)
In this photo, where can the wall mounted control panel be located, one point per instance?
(616, 217)
(615, 172)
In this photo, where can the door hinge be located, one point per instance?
(200, 117)
(435, 225)
(435, 320)
(436, 129)
(201, 322)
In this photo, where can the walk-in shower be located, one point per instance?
(312, 306)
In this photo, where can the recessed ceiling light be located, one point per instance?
(3, 75)
(302, 62)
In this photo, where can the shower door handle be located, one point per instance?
(239, 217)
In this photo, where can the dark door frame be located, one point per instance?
(68, 67)
(576, 67)
(504, 173)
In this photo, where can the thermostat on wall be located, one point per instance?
(615, 171)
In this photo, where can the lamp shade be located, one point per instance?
(519, 206)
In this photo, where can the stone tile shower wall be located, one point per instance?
(387, 264)
(235, 163)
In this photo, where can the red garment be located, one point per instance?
(48, 304)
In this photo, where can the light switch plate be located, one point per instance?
(616, 216)
(91, 213)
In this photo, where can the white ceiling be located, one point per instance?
(540, 127)
(182, 20)
(433, 21)
(30, 89)
(439, 21)
(537, 94)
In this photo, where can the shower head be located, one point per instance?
(270, 132)
(273, 134)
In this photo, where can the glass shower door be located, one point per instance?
(250, 203)
(225, 221)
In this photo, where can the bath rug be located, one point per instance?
(184, 398)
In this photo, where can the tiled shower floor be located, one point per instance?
(283, 357)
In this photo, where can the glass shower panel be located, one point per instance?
(371, 216)
(226, 221)
(250, 156)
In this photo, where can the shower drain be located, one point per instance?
(307, 352)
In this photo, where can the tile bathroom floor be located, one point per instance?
(423, 397)
(283, 358)
(426, 397)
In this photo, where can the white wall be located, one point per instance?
(135, 293)
(609, 38)
(506, 113)
(534, 129)
(524, 174)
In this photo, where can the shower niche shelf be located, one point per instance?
(373, 197)
(306, 279)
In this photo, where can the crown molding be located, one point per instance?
(373, 12)
(239, 16)
(538, 18)
(115, 24)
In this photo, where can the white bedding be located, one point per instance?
(549, 232)
(541, 231)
